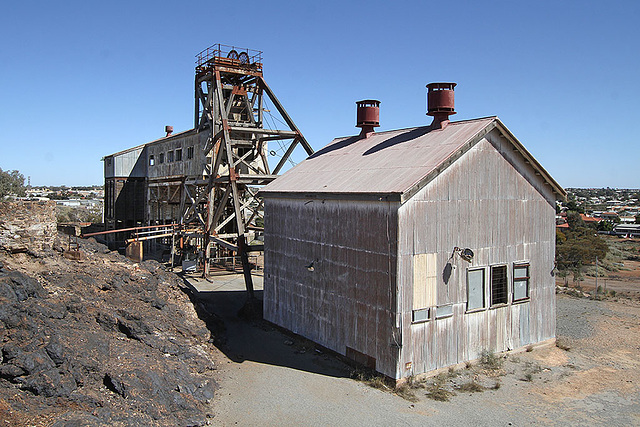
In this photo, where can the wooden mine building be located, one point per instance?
(414, 249)
(203, 182)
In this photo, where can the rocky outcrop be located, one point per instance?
(100, 341)
(27, 226)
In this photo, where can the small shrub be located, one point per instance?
(562, 344)
(468, 364)
(452, 373)
(471, 387)
(496, 386)
(372, 379)
(489, 360)
(529, 348)
(437, 391)
(528, 376)
(405, 392)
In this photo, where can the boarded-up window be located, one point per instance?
(499, 287)
(189, 152)
(475, 289)
(178, 154)
(169, 156)
(424, 280)
(161, 158)
(520, 282)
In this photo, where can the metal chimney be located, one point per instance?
(168, 130)
(368, 116)
(440, 103)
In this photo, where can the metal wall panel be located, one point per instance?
(492, 201)
(330, 274)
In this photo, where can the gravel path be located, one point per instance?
(270, 378)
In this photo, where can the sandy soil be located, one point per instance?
(270, 378)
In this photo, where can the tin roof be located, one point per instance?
(397, 162)
(164, 138)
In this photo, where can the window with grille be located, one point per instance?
(189, 153)
(520, 282)
(170, 157)
(499, 288)
(178, 154)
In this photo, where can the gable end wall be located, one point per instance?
(504, 215)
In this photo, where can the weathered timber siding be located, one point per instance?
(504, 215)
(348, 300)
(186, 167)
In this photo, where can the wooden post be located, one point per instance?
(246, 268)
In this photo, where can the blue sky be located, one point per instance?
(82, 79)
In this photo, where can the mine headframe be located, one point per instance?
(222, 205)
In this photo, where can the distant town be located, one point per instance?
(608, 207)
(610, 210)
(73, 204)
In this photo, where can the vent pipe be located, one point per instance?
(440, 103)
(168, 130)
(368, 116)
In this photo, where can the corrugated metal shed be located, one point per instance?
(361, 241)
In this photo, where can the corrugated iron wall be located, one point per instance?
(330, 274)
(481, 202)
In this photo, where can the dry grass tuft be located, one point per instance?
(437, 391)
(405, 391)
(489, 360)
(372, 379)
(471, 387)
(562, 344)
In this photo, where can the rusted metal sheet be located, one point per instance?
(386, 162)
(399, 161)
(134, 251)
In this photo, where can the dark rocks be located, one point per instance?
(101, 342)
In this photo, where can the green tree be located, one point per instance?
(11, 184)
(578, 246)
(572, 205)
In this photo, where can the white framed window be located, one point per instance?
(521, 282)
(152, 160)
(475, 289)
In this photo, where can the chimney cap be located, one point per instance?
(368, 116)
(440, 103)
(368, 103)
(441, 86)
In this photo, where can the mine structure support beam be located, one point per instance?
(223, 202)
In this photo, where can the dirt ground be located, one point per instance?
(267, 377)
(618, 273)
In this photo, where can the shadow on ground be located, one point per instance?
(259, 341)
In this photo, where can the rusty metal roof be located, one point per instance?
(394, 162)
